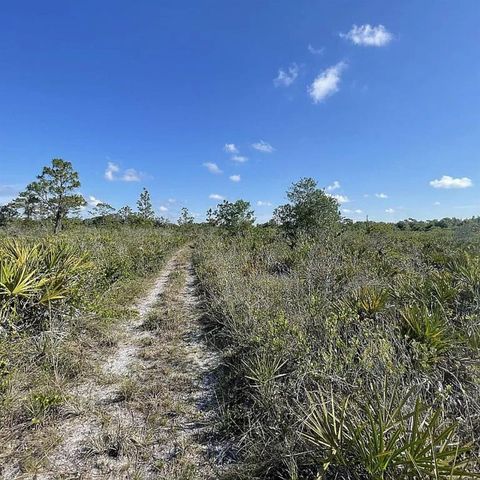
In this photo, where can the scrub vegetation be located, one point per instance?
(350, 352)
(325, 349)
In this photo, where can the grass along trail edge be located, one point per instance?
(149, 410)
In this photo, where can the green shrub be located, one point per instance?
(382, 437)
(427, 327)
(369, 301)
(36, 281)
(42, 403)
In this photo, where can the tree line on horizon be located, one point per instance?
(54, 197)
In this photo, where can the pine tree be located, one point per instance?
(52, 194)
(144, 205)
(125, 213)
(185, 217)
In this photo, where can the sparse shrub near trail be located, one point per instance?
(348, 355)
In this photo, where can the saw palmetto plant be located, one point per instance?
(34, 279)
(369, 300)
(429, 327)
(388, 436)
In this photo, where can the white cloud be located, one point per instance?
(389, 210)
(358, 211)
(112, 173)
(341, 199)
(334, 186)
(131, 175)
(230, 148)
(163, 208)
(436, 203)
(172, 200)
(315, 51)
(262, 203)
(212, 167)
(235, 178)
(368, 35)
(381, 195)
(286, 78)
(93, 201)
(215, 196)
(263, 146)
(112, 169)
(450, 182)
(239, 158)
(326, 83)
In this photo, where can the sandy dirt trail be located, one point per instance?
(150, 411)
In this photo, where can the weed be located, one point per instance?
(429, 328)
(40, 405)
(369, 301)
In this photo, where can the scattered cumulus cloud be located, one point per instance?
(263, 146)
(113, 173)
(341, 199)
(111, 170)
(436, 203)
(215, 196)
(263, 203)
(326, 83)
(212, 168)
(131, 175)
(315, 51)
(230, 148)
(163, 208)
(334, 186)
(172, 200)
(286, 77)
(390, 210)
(348, 210)
(235, 178)
(93, 201)
(381, 195)
(450, 182)
(239, 158)
(368, 35)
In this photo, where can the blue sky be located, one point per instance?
(368, 97)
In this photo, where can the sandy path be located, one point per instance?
(150, 412)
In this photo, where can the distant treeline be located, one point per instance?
(413, 225)
(53, 200)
